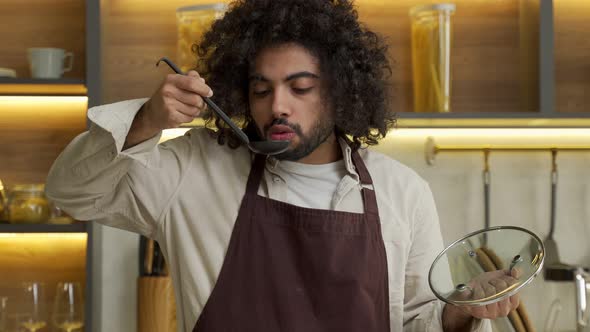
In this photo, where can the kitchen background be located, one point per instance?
(500, 78)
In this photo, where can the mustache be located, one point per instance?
(283, 122)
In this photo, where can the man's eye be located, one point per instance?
(260, 93)
(302, 91)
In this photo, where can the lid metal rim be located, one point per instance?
(494, 299)
(447, 7)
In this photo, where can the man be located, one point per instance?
(326, 236)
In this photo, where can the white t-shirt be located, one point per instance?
(312, 186)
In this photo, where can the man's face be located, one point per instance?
(285, 100)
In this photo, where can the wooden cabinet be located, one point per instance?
(519, 61)
(572, 57)
(37, 119)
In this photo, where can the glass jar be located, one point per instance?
(192, 22)
(2, 202)
(431, 57)
(27, 204)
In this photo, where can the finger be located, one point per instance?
(188, 98)
(178, 118)
(193, 73)
(516, 273)
(499, 284)
(173, 106)
(492, 310)
(478, 312)
(489, 290)
(193, 84)
(478, 292)
(188, 110)
(504, 307)
(509, 280)
(515, 301)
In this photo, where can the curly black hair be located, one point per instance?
(352, 58)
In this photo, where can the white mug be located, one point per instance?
(49, 62)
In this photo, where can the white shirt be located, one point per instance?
(186, 192)
(312, 186)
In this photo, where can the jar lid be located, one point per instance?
(34, 187)
(211, 6)
(512, 254)
(7, 72)
(440, 7)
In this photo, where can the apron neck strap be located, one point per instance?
(364, 175)
(255, 174)
(369, 198)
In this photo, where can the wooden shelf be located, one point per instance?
(79, 227)
(42, 87)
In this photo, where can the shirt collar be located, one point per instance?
(346, 155)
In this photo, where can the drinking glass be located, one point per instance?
(3, 314)
(34, 311)
(68, 308)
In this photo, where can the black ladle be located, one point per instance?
(261, 147)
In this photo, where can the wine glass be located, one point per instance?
(68, 309)
(34, 310)
(3, 314)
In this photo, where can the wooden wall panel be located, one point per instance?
(572, 55)
(485, 50)
(33, 134)
(136, 33)
(42, 23)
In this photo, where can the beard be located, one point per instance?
(323, 128)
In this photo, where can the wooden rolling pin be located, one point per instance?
(156, 309)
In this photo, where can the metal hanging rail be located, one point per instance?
(432, 149)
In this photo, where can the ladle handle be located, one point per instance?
(241, 135)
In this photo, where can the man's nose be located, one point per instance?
(280, 104)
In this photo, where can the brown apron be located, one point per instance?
(295, 269)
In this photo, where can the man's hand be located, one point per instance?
(178, 100)
(459, 318)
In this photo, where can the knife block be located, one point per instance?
(156, 309)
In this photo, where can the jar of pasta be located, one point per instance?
(192, 22)
(2, 201)
(27, 204)
(431, 56)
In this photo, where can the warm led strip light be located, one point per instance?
(41, 100)
(72, 236)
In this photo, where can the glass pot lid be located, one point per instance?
(486, 266)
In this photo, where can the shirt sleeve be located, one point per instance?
(422, 310)
(93, 179)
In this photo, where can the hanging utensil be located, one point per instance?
(486, 193)
(486, 189)
(555, 269)
(582, 312)
(261, 147)
(550, 244)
